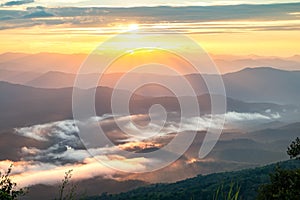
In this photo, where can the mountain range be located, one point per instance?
(262, 84)
(262, 118)
(24, 105)
(70, 63)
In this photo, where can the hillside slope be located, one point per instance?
(204, 187)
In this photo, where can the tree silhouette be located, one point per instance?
(285, 183)
(68, 190)
(7, 187)
(294, 149)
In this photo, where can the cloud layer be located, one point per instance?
(133, 3)
(65, 150)
(197, 19)
(17, 2)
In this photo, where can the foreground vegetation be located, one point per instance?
(277, 181)
(8, 190)
(205, 187)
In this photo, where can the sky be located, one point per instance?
(220, 27)
(133, 3)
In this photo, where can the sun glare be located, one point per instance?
(133, 27)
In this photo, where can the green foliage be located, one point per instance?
(285, 185)
(205, 187)
(232, 194)
(7, 187)
(294, 149)
(67, 189)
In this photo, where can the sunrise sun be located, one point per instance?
(133, 27)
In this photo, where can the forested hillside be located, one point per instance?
(205, 187)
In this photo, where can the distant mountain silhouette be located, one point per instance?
(23, 105)
(19, 77)
(262, 84)
(70, 63)
(41, 62)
